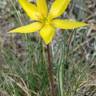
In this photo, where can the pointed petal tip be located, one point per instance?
(83, 24)
(47, 42)
(11, 31)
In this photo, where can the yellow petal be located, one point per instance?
(67, 24)
(47, 33)
(58, 7)
(30, 9)
(33, 27)
(42, 7)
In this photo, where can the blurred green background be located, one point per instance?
(23, 62)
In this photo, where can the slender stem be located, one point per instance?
(50, 72)
(61, 80)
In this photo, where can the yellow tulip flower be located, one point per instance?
(46, 21)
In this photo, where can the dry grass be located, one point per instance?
(23, 58)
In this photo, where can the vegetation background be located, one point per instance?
(23, 64)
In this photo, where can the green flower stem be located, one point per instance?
(50, 72)
(61, 80)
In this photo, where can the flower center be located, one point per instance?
(46, 20)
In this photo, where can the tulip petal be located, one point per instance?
(58, 7)
(33, 27)
(67, 24)
(30, 9)
(42, 7)
(47, 33)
